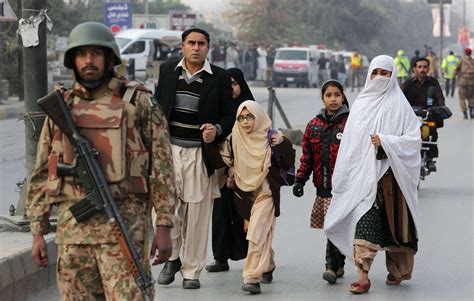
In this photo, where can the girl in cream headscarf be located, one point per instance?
(375, 202)
(253, 170)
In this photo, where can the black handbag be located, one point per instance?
(243, 202)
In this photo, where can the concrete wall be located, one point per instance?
(19, 276)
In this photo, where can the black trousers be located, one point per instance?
(433, 151)
(228, 235)
(334, 258)
(450, 82)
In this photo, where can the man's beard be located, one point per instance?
(94, 83)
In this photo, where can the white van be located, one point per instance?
(295, 65)
(147, 45)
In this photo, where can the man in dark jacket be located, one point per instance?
(416, 92)
(194, 96)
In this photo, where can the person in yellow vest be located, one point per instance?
(403, 66)
(356, 69)
(448, 67)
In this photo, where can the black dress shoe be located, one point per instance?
(253, 288)
(217, 266)
(167, 273)
(267, 277)
(191, 283)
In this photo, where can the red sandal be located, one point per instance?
(357, 288)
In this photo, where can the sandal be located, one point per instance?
(357, 288)
(392, 280)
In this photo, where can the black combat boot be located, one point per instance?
(465, 114)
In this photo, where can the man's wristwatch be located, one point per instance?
(218, 129)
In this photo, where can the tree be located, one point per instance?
(372, 26)
(266, 21)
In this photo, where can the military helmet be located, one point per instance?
(90, 33)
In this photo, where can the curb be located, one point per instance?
(11, 109)
(19, 276)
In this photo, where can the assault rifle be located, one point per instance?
(99, 197)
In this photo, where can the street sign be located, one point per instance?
(6, 12)
(182, 20)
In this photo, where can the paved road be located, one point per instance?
(443, 266)
(12, 162)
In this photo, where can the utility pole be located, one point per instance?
(464, 13)
(36, 85)
(21, 87)
(441, 33)
(1, 57)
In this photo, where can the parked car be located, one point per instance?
(148, 48)
(295, 65)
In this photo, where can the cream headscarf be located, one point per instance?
(382, 109)
(252, 152)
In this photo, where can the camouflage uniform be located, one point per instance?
(466, 84)
(125, 134)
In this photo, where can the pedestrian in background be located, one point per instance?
(232, 56)
(322, 68)
(341, 71)
(356, 69)
(465, 70)
(320, 146)
(228, 235)
(375, 199)
(122, 122)
(413, 61)
(433, 59)
(333, 67)
(262, 63)
(254, 175)
(195, 96)
(448, 67)
(403, 66)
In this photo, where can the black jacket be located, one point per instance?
(215, 102)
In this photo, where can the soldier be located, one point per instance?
(122, 121)
(465, 69)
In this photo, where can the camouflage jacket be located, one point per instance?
(466, 71)
(132, 139)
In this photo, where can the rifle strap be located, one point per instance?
(131, 88)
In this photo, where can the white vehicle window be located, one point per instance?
(137, 47)
(121, 42)
(291, 55)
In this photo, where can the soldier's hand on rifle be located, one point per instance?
(209, 132)
(39, 251)
(162, 243)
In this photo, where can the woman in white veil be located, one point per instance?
(375, 200)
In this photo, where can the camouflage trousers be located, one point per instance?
(96, 272)
(466, 97)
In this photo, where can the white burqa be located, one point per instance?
(381, 108)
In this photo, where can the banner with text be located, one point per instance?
(118, 16)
